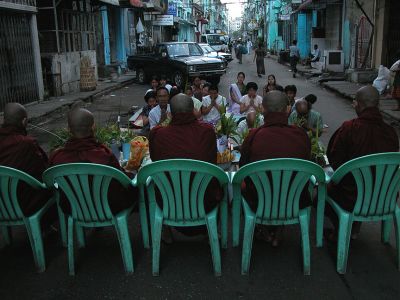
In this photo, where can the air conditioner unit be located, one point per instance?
(334, 61)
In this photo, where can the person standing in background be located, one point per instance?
(259, 55)
(249, 46)
(294, 57)
(396, 83)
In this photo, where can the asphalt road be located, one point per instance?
(186, 268)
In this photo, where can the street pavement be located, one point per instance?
(186, 268)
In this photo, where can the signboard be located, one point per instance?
(172, 9)
(284, 17)
(164, 20)
(113, 2)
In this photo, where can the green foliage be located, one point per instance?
(226, 125)
(104, 135)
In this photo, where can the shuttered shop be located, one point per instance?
(17, 70)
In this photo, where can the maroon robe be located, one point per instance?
(19, 151)
(275, 139)
(88, 150)
(186, 137)
(361, 136)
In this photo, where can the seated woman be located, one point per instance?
(271, 85)
(236, 92)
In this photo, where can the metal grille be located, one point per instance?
(208, 67)
(17, 70)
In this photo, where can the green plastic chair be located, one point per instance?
(377, 178)
(86, 187)
(279, 183)
(183, 201)
(12, 215)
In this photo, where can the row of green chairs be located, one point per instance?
(182, 184)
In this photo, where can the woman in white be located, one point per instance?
(236, 92)
(212, 105)
(251, 102)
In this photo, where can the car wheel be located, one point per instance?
(179, 79)
(215, 80)
(141, 76)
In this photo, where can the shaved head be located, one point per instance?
(15, 114)
(302, 107)
(251, 118)
(181, 103)
(275, 101)
(367, 96)
(80, 122)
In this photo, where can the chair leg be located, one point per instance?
(35, 237)
(6, 233)
(71, 259)
(63, 226)
(212, 228)
(224, 225)
(143, 223)
(345, 224)
(249, 226)
(236, 214)
(305, 241)
(80, 236)
(125, 243)
(320, 223)
(156, 243)
(397, 231)
(386, 228)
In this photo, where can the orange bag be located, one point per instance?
(139, 149)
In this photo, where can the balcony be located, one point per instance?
(19, 5)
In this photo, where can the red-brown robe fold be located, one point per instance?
(275, 139)
(361, 136)
(22, 152)
(88, 150)
(185, 137)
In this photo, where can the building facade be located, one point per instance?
(20, 68)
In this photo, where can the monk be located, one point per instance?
(366, 134)
(275, 139)
(185, 137)
(84, 148)
(22, 152)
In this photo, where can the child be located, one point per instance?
(151, 102)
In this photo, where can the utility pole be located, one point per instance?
(265, 36)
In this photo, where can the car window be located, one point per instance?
(182, 49)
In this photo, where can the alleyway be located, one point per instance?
(186, 271)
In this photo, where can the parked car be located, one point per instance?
(179, 61)
(210, 52)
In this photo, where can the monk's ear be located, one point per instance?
(24, 122)
(94, 127)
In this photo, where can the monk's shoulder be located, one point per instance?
(205, 126)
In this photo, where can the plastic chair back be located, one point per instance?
(377, 178)
(86, 187)
(279, 184)
(182, 184)
(10, 210)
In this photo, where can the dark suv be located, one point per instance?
(180, 62)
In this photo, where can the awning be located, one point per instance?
(316, 4)
(112, 2)
(304, 5)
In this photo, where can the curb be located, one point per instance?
(87, 98)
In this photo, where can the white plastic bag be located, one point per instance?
(381, 82)
(395, 67)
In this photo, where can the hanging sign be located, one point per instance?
(172, 9)
(164, 20)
